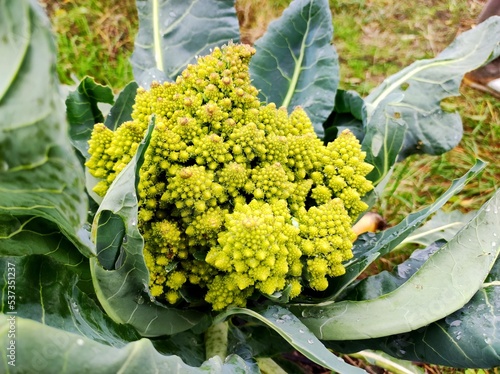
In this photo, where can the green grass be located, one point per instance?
(94, 38)
(420, 179)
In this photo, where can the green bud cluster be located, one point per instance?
(235, 196)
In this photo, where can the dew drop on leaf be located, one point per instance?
(310, 341)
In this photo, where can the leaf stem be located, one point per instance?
(298, 68)
(412, 238)
(216, 340)
(383, 362)
(269, 366)
(156, 36)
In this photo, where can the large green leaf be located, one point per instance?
(58, 328)
(442, 226)
(83, 111)
(14, 42)
(110, 231)
(122, 110)
(172, 33)
(297, 335)
(382, 143)
(39, 172)
(46, 350)
(466, 338)
(384, 282)
(371, 246)
(122, 280)
(415, 93)
(347, 114)
(444, 284)
(43, 349)
(28, 235)
(46, 291)
(295, 63)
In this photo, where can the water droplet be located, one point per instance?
(456, 323)
(488, 340)
(495, 234)
(140, 300)
(74, 307)
(279, 321)
(402, 351)
(80, 342)
(172, 14)
(286, 317)
(493, 244)
(487, 209)
(310, 341)
(125, 239)
(301, 331)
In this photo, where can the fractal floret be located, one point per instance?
(236, 197)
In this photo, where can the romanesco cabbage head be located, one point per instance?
(235, 196)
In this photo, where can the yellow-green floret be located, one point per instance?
(235, 196)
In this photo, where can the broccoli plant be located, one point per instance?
(207, 218)
(234, 195)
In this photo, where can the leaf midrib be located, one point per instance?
(298, 66)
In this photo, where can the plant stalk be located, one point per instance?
(269, 366)
(216, 340)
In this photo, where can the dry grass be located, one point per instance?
(255, 15)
